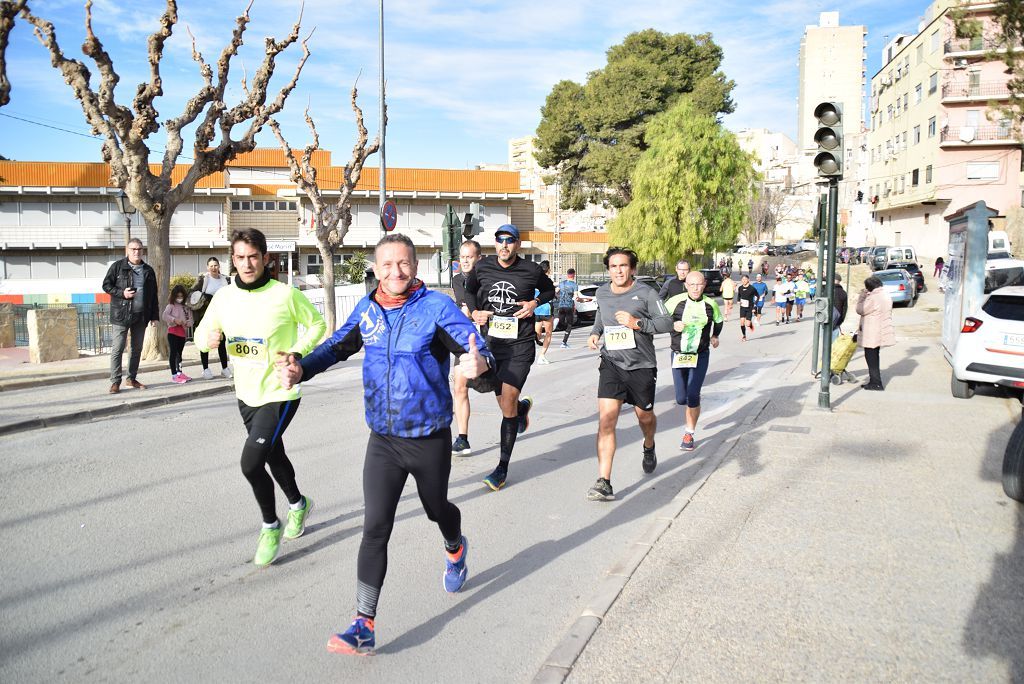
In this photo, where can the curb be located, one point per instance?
(64, 378)
(91, 414)
(559, 663)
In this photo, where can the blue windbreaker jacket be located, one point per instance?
(405, 370)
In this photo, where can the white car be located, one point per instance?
(990, 347)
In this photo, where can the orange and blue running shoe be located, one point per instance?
(455, 570)
(358, 639)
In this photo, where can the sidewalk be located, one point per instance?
(43, 395)
(869, 543)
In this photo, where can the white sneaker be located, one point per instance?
(543, 360)
(226, 372)
(207, 374)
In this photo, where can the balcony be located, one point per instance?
(967, 92)
(957, 47)
(957, 136)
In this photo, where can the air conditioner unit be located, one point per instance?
(960, 63)
(886, 81)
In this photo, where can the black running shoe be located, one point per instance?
(525, 404)
(601, 491)
(460, 447)
(650, 460)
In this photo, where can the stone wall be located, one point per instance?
(52, 335)
(6, 326)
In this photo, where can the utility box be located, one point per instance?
(964, 276)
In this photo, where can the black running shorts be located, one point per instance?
(634, 387)
(747, 312)
(512, 361)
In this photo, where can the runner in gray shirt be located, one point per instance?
(629, 314)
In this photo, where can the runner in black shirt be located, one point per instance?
(500, 294)
(747, 296)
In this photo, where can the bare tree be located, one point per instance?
(768, 207)
(125, 130)
(332, 220)
(9, 9)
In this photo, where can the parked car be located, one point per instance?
(914, 270)
(586, 308)
(650, 281)
(713, 278)
(876, 260)
(899, 285)
(899, 255)
(864, 254)
(990, 347)
(807, 246)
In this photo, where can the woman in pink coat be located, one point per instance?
(875, 309)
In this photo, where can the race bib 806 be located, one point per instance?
(248, 351)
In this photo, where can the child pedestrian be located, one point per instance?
(178, 318)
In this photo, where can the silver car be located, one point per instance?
(899, 285)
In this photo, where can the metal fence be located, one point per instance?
(94, 331)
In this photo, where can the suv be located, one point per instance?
(876, 258)
(990, 346)
(713, 278)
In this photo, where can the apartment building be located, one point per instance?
(938, 140)
(59, 221)
(833, 69)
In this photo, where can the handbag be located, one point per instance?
(198, 299)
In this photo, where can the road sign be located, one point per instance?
(389, 216)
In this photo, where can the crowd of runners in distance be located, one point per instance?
(424, 351)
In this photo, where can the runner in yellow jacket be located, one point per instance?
(259, 318)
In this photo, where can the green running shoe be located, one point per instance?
(297, 520)
(268, 546)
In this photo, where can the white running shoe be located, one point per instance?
(226, 372)
(207, 374)
(543, 360)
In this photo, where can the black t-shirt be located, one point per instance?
(671, 288)
(459, 288)
(492, 287)
(746, 293)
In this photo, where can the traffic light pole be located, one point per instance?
(824, 401)
(816, 332)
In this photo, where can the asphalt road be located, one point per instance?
(128, 541)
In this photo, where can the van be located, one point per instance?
(998, 241)
(899, 255)
(876, 257)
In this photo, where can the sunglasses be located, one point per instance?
(505, 240)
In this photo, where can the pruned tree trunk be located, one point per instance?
(332, 221)
(158, 237)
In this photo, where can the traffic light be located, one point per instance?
(473, 223)
(821, 310)
(450, 233)
(829, 139)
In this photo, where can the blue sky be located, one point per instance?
(463, 77)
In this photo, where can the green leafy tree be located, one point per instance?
(593, 134)
(691, 189)
(353, 271)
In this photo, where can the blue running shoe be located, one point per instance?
(525, 404)
(496, 480)
(358, 639)
(456, 572)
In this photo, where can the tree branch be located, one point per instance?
(8, 11)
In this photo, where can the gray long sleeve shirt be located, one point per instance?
(641, 302)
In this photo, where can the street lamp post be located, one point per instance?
(125, 206)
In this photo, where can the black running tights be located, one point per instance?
(389, 462)
(266, 425)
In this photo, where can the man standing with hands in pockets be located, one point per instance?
(628, 316)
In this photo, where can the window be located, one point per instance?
(915, 177)
(983, 170)
(918, 93)
(928, 174)
(920, 53)
(236, 205)
(931, 127)
(246, 206)
(257, 206)
(973, 116)
(927, 215)
(917, 134)
(905, 103)
(315, 263)
(888, 113)
(935, 41)
(933, 83)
